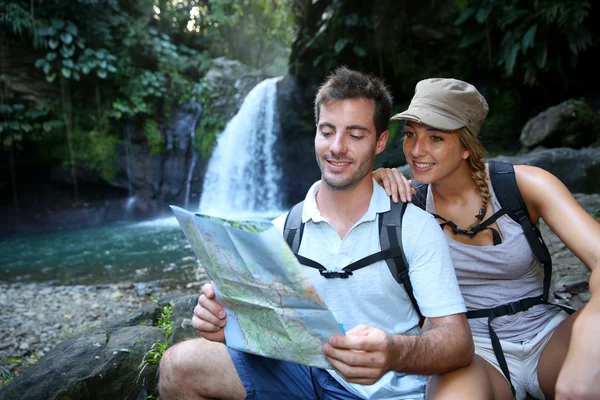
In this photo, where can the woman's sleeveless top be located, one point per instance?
(490, 276)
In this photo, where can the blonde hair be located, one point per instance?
(475, 161)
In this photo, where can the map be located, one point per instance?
(272, 308)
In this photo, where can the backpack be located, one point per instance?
(502, 176)
(390, 239)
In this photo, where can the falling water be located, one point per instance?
(243, 176)
(187, 116)
(127, 156)
(188, 179)
(129, 204)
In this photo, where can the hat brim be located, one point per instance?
(429, 117)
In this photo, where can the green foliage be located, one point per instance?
(397, 40)
(336, 19)
(211, 123)
(498, 129)
(166, 319)
(131, 60)
(156, 143)
(19, 122)
(205, 137)
(153, 356)
(535, 36)
(69, 55)
(596, 214)
(258, 32)
(6, 375)
(497, 45)
(96, 149)
(20, 21)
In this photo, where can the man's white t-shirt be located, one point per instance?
(371, 296)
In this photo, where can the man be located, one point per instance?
(383, 355)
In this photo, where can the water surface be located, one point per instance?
(123, 252)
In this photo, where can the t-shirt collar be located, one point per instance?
(380, 203)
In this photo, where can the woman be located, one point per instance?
(548, 352)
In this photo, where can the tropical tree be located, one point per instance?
(527, 38)
(98, 66)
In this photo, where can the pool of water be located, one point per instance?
(138, 252)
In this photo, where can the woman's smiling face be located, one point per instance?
(431, 153)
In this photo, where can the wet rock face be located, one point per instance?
(162, 179)
(296, 144)
(230, 82)
(569, 123)
(577, 169)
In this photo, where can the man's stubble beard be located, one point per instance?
(353, 180)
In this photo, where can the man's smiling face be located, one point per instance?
(346, 142)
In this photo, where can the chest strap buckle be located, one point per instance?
(335, 274)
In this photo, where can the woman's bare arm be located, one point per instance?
(547, 197)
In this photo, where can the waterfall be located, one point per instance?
(188, 179)
(127, 156)
(129, 204)
(186, 117)
(243, 176)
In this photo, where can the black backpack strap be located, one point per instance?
(504, 182)
(507, 192)
(471, 232)
(390, 239)
(508, 309)
(293, 227)
(419, 199)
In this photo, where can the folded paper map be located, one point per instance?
(272, 308)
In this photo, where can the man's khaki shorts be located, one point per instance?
(521, 357)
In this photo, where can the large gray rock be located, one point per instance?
(566, 124)
(577, 169)
(570, 276)
(230, 81)
(102, 363)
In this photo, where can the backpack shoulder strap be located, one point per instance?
(390, 237)
(419, 199)
(502, 176)
(293, 227)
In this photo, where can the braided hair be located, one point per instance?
(476, 154)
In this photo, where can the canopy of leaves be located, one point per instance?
(104, 63)
(523, 55)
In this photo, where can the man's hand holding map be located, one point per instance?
(272, 308)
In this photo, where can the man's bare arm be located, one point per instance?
(365, 353)
(445, 346)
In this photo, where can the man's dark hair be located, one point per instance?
(344, 83)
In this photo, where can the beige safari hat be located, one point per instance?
(447, 104)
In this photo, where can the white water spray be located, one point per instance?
(243, 177)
